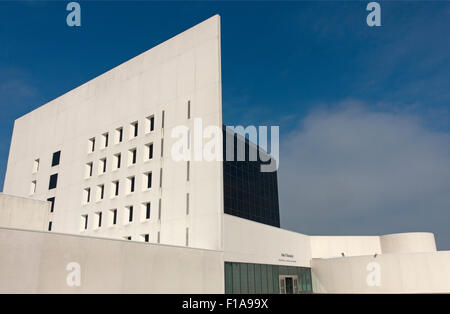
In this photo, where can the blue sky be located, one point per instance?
(295, 64)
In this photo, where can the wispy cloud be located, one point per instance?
(354, 171)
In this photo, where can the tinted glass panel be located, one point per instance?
(248, 192)
(53, 181)
(260, 278)
(56, 157)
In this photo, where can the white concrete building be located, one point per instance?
(101, 155)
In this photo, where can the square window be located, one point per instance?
(115, 188)
(117, 161)
(87, 195)
(119, 135)
(134, 127)
(105, 140)
(88, 171)
(100, 192)
(113, 217)
(52, 203)
(147, 179)
(128, 215)
(98, 219)
(33, 187)
(149, 124)
(53, 181)
(84, 222)
(132, 156)
(91, 145)
(145, 211)
(145, 237)
(102, 166)
(36, 165)
(55, 158)
(149, 151)
(131, 184)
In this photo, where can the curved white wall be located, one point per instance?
(386, 273)
(408, 242)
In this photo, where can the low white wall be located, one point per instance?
(334, 246)
(408, 242)
(247, 241)
(399, 273)
(35, 262)
(23, 213)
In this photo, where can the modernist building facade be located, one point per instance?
(102, 152)
(94, 169)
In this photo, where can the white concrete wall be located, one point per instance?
(333, 246)
(184, 68)
(408, 242)
(247, 241)
(399, 273)
(35, 262)
(23, 213)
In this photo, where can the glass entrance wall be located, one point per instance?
(261, 278)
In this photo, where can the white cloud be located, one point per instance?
(352, 171)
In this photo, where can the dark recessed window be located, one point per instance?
(102, 191)
(52, 203)
(50, 226)
(85, 218)
(152, 123)
(132, 183)
(147, 210)
(114, 212)
(130, 213)
(92, 144)
(105, 140)
(150, 150)
(134, 129)
(118, 158)
(149, 180)
(146, 238)
(53, 181)
(116, 188)
(56, 157)
(119, 135)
